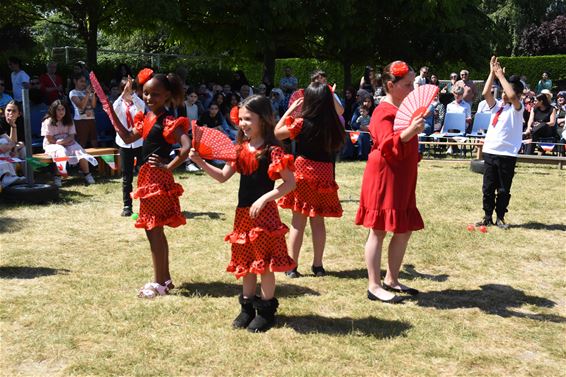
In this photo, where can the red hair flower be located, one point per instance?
(399, 68)
(145, 75)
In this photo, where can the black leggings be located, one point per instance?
(127, 156)
(498, 175)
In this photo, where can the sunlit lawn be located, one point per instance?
(491, 304)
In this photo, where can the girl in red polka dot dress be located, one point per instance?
(258, 238)
(319, 136)
(157, 190)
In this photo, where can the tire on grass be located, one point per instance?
(36, 193)
(477, 166)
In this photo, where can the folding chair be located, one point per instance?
(480, 125)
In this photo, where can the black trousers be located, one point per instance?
(498, 176)
(127, 156)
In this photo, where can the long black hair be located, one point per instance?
(321, 121)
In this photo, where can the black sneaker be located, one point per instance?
(318, 271)
(486, 221)
(126, 212)
(501, 224)
(293, 274)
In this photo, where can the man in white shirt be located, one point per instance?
(502, 143)
(421, 78)
(20, 79)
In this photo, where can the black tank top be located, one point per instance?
(253, 186)
(155, 143)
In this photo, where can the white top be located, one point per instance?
(192, 111)
(462, 107)
(88, 112)
(505, 137)
(483, 107)
(17, 84)
(419, 81)
(120, 107)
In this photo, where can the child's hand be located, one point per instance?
(492, 62)
(195, 157)
(296, 104)
(157, 161)
(256, 208)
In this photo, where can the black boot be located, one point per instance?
(265, 318)
(247, 314)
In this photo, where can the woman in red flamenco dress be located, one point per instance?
(387, 201)
(157, 190)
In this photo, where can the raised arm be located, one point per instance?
(281, 131)
(513, 97)
(489, 99)
(127, 136)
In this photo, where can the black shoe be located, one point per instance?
(126, 212)
(501, 224)
(394, 300)
(318, 271)
(410, 291)
(247, 314)
(265, 317)
(293, 274)
(486, 221)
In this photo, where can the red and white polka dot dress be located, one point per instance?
(316, 193)
(258, 245)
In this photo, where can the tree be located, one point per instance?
(547, 39)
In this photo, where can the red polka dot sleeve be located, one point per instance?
(170, 124)
(279, 162)
(294, 126)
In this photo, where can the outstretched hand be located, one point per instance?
(195, 156)
(296, 104)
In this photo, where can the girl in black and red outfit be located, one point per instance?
(258, 238)
(157, 190)
(319, 135)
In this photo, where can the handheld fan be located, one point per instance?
(212, 144)
(415, 104)
(295, 96)
(106, 105)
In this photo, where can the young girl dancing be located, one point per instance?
(157, 190)
(387, 201)
(319, 136)
(258, 238)
(59, 133)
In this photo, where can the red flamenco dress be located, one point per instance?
(316, 193)
(157, 190)
(258, 245)
(387, 201)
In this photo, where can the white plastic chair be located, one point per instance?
(481, 122)
(454, 122)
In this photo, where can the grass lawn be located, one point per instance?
(490, 304)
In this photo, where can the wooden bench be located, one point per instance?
(478, 144)
(103, 168)
(533, 158)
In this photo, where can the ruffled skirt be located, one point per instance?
(159, 199)
(390, 220)
(316, 193)
(258, 245)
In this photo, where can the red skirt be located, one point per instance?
(258, 245)
(316, 193)
(159, 199)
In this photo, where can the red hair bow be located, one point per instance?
(145, 75)
(399, 68)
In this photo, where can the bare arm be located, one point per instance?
(182, 139)
(126, 135)
(531, 121)
(281, 131)
(513, 97)
(552, 121)
(489, 99)
(337, 105)
(221, 175)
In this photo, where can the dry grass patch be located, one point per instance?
(491, 304)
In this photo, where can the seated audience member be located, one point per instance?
(83, 100)
(227, 89)
(238, 80)
(544, 83)
(368, 79)
(223, 106)
(4, 97)
(379, 93)
(364, 140)
(193, 107)
(59, 133)
(446, 90)
(245, 91)
(561, 119)
(483, 107)
(204, 96)
(51, 84)
(421, 78)
(459, 105)
(9, 145)
(262, 89)
(540, 127)
(211, 118)
(277, 103)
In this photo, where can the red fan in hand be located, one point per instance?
(212, 144)
(415, 104)
(106, 106)
(295, 96)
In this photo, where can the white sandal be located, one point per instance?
(152, 290)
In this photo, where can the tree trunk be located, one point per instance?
(269, 65)
(347, 67)
(92, 45)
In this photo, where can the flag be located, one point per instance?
(354, 135)
(36, 163)
(547, 147)
(109, 159)
(61, 163)
(88, 157)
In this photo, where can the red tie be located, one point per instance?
(496, 117)
(129, 119)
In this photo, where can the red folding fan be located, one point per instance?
(212, 144)
(415, 104)
(106, 105)
(295, 96)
